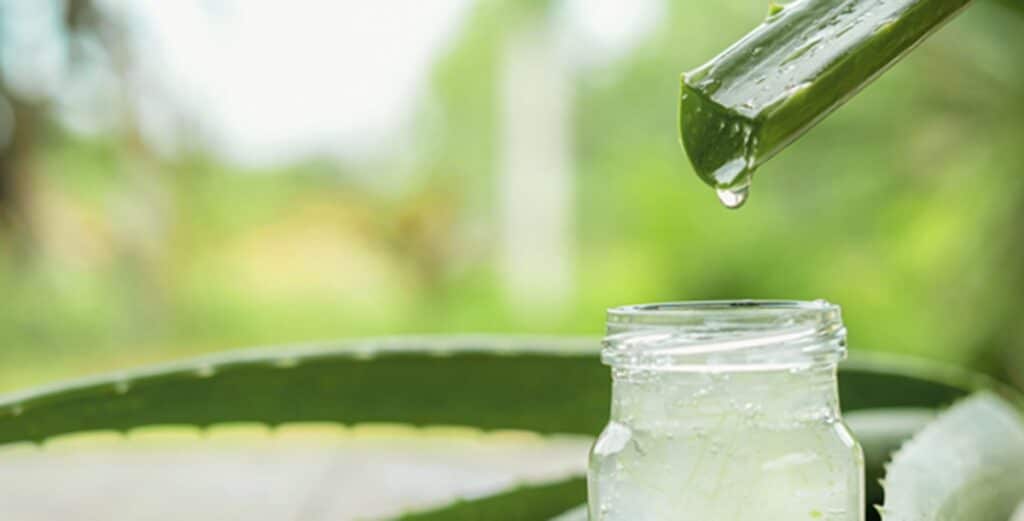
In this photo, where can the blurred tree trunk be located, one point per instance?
(16, 155)
(15, 173)
(535, 178)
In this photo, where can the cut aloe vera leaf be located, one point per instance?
(804, 61)
(965, 466)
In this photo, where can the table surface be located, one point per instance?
(307, 474)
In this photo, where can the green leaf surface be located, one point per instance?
(524, 503)
(874, 381)
(576, 514)
(545, 386)
(1014, 5)
(803, 62)
(527, 383)
(966, 466)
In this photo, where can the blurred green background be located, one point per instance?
(179, 178)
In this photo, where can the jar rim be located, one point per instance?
(750, 334)
(762, 306)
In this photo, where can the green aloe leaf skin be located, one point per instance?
(544, 386)
(966, 466)
(523, 503)
(541, 385)
(808, 58)
(577, 514)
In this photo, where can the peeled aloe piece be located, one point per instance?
(804, 61)
(968, 465)
(881, 432)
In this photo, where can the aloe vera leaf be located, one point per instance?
(881, 432)
(545, 386)
(1016, 5)
(761, 94)
(540, 385)
(872, 381)
(523, 503)
(965, 466)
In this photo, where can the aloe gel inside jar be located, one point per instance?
(725, 411)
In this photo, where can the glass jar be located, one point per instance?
(726, 411)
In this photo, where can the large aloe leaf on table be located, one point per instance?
(541, 385)
(520, 383)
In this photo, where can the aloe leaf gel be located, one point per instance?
(726, 411)
(808, 58)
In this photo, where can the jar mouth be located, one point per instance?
(725, 335)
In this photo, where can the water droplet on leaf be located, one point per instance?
(733, 198)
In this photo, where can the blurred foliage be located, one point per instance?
(904, 207)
